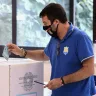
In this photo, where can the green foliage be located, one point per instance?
(5, 22)
(84, 16)
(29, 25)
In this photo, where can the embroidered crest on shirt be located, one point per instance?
(65, 51)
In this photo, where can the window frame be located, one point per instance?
(94, 21)
(14, 23)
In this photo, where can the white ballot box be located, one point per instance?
(17, 77)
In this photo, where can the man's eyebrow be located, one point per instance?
(44, 22)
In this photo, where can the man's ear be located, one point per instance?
(57, 21)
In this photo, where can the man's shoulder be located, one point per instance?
(78, 33)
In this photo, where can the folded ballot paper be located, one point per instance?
(6, 53)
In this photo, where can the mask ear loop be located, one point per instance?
(57, 27)
(50, 30)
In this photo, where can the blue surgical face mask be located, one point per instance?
(50, 31)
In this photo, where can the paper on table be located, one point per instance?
(6, 53)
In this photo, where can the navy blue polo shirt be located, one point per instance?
(66, 57)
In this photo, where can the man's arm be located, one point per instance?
(86, 71)
(37, 55)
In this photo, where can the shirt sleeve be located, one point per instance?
(47, 49)
(84, 48)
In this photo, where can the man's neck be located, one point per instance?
(63, 29)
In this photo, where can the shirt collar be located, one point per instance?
(69, 32)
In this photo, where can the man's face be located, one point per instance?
(51, 28)
(46, 21)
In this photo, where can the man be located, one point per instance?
(69, 51)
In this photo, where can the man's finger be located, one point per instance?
(46, 86)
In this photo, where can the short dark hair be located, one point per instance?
(54, 11)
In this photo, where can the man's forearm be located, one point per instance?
(86, 71)
(35, 54)
(77, 76)
(81, 74)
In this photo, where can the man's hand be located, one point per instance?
(54, 84)
(14, 49)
